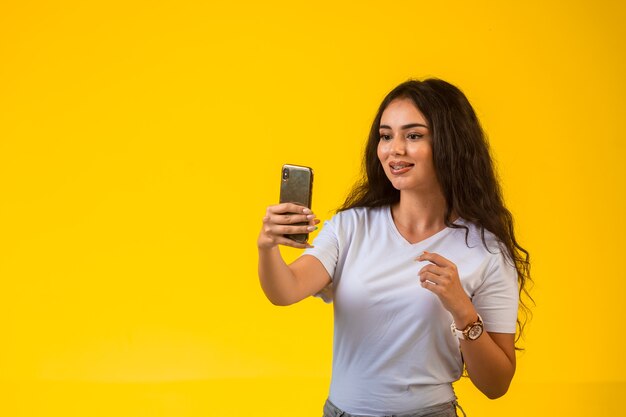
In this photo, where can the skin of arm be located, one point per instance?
(287, 284)
(490, 362)
(490, 359)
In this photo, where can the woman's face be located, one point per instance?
(405, 148)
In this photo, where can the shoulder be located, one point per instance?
(481, 247)
(486, 270)
(357, 222)
(359, 216)
(479, 238)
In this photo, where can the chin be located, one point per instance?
(402, 185)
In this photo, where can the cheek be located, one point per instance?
(380, 151)
(426, 154)
(423, 153)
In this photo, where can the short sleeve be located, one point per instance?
(497, 298)
(326, 250)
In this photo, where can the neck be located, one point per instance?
(420, 213)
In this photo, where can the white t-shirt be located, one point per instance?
(393, 350)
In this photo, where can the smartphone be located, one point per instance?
(296, 186)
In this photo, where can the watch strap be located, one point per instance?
(464, 334)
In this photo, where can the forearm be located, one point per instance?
(489, 367)
(277, 280)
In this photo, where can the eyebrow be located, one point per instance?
(404, 127)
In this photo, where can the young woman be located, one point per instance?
(421, 262)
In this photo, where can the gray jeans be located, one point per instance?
(439, 410)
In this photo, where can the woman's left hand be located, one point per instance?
(442, 278)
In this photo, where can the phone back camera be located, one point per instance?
(285, 174)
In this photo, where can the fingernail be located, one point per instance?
(307, 211)
(311, 228)
(310, 216)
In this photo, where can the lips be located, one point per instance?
(400, 167)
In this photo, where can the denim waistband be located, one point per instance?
(439, 410)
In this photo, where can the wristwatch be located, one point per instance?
(471, 332)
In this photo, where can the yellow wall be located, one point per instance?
(140, 143)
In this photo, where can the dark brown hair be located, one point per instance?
(463, 166)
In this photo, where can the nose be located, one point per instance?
(398, 145)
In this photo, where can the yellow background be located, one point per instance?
(141, 141)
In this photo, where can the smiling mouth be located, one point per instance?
(400, 167)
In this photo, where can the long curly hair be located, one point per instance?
(464, 169)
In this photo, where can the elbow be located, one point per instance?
(280, 302)
(495, 388)
(277, 298)
(494, 393)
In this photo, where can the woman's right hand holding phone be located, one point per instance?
(287, 284)
(281, 220)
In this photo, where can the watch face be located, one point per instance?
(475, 332)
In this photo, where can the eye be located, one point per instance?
(414, 136)
(385, 137)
